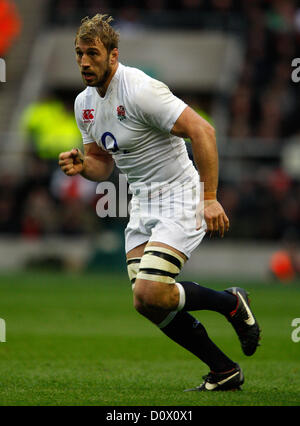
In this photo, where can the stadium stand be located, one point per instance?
(256, 120)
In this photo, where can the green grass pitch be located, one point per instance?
(76, 340)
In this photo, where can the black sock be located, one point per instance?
(188, 332)
(201, 298)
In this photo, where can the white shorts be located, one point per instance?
(166, 215)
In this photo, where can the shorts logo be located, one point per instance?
(121, 113)
(87, 115)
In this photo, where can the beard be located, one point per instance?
(102, 79)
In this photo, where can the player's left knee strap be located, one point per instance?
(160, 264)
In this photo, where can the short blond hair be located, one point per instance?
(98, 27)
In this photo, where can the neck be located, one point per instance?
(103, 89)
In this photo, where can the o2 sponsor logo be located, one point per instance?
(109, 142)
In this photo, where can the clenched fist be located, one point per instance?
(71, 162)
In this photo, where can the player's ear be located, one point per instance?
(114, 56)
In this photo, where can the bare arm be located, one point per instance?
(95, 164)
(202, 136)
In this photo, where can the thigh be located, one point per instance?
(136, 235)
(136, 251)
(175, 225)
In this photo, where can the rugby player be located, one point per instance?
(134, 121)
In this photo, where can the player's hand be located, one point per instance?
(214, 216)
(71, 162)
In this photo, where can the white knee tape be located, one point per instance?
(160, 264)
(133, 265)
(181, 302)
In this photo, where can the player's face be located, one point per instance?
(94, 62)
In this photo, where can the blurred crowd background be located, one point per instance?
(259, 148)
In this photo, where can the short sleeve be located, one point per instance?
(78, 116)
(157, 106)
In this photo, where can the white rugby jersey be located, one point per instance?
(133, 122)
